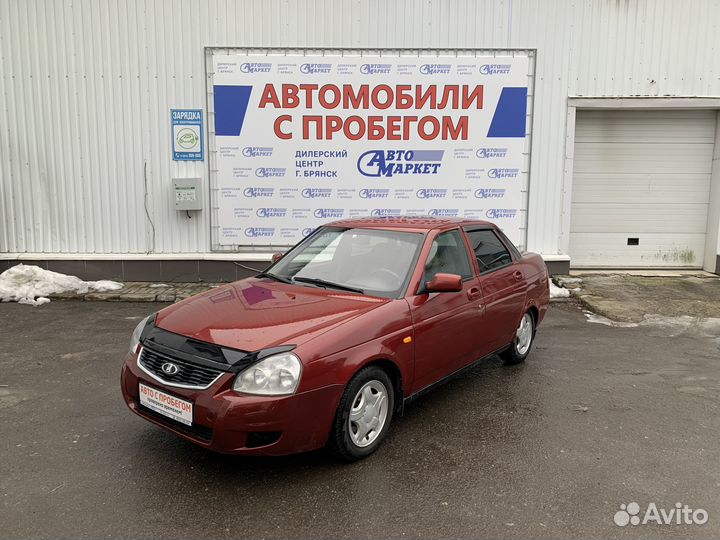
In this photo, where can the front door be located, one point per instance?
(446, 324)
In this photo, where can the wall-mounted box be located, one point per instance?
(187, 193)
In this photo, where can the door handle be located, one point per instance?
(518, 275)
(474, 293)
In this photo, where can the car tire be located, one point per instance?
(522, 343)
(357, 430)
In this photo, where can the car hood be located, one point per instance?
(257, 313)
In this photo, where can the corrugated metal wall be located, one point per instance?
(87, 86)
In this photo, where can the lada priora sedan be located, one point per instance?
(329, 343)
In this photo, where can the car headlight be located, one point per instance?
(276, 375)
(135, 339)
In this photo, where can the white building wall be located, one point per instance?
(712, 242)
(87, 86)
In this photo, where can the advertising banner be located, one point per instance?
(187, 141)
(304, 140)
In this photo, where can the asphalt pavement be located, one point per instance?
(633, 298)
(598, 416)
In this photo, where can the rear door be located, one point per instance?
(503, 286)
(446, 324)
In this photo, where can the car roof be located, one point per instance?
(415, 223)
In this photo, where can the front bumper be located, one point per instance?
(228, 422)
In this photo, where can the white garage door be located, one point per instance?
(641, 188)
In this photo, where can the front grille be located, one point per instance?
(188, 374)
(195, 431)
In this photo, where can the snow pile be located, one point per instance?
(28, 284)
(557, 292)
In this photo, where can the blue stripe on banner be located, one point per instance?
(510, 114)
(231, 103)
(427, 155)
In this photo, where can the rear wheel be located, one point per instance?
(364, 414)
(522, 342)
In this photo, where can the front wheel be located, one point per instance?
(522, 343)
(364, 414)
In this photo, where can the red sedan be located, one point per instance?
(328, 344)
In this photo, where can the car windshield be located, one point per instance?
(371, 261)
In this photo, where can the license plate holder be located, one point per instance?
(173, 407)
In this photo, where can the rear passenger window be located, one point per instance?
(513, 250)
(489, 250)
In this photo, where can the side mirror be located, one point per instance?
(444, 283)
(276, 257)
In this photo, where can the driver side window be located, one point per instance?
(448, 255)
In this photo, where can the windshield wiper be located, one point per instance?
(325, 283)
(270, 275)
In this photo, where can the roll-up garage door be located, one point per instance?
(641, 188)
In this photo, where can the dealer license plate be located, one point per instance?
(168, 405)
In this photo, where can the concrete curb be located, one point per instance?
(138, 291)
